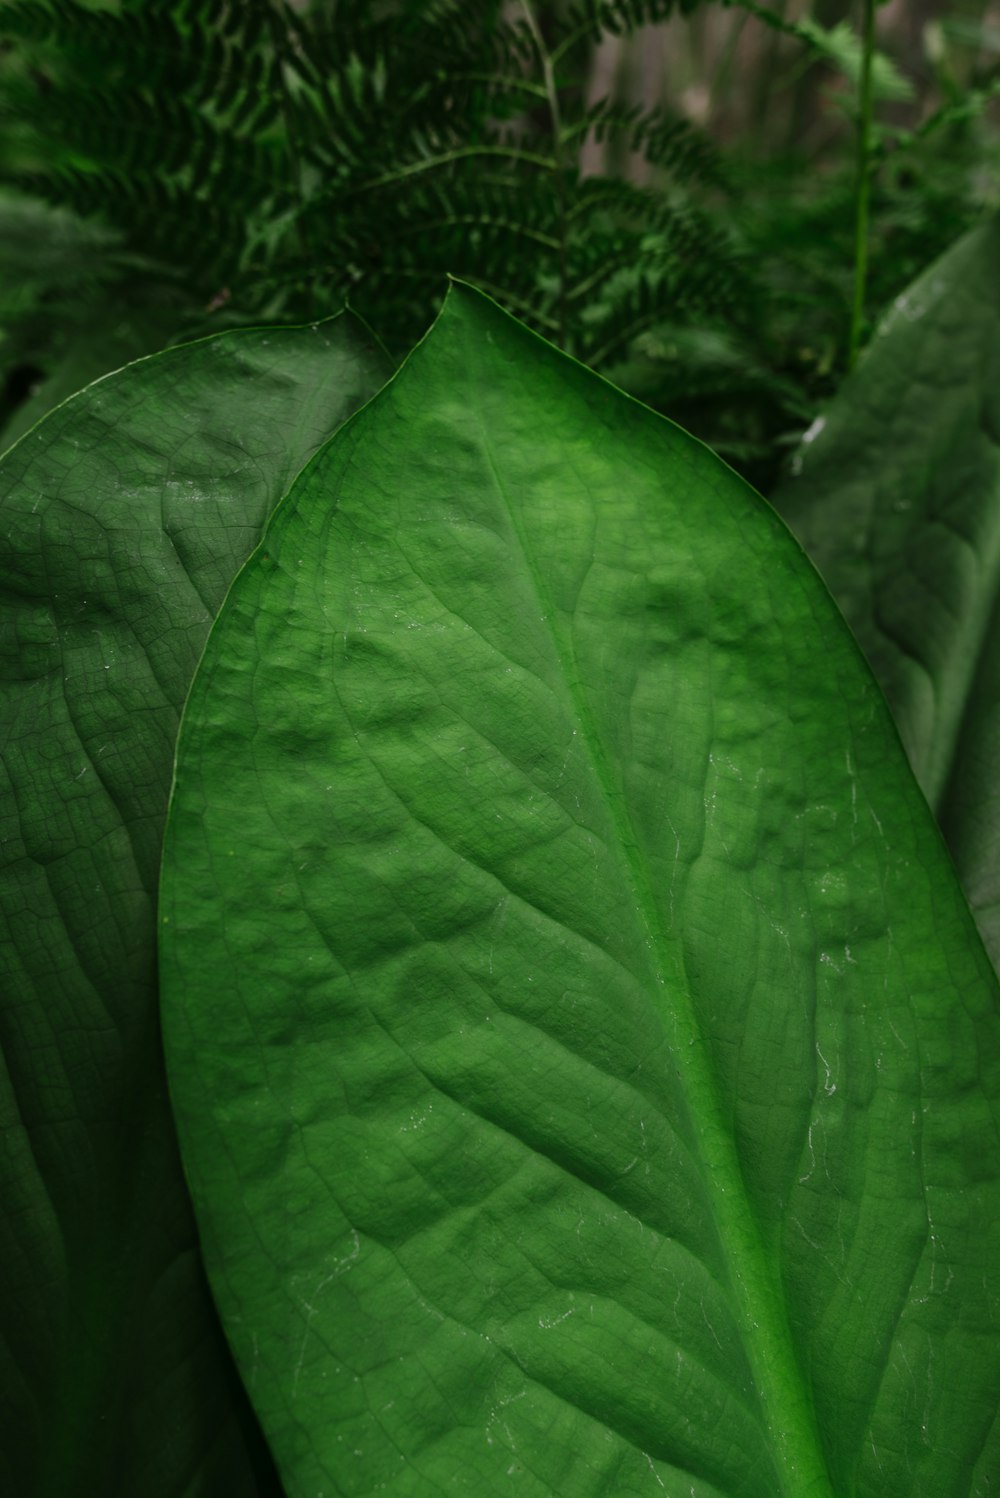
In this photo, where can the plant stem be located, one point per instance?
(863, 184)
(552, 96)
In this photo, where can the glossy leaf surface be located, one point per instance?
(123, 518)
(897, 500)
(585, 1062)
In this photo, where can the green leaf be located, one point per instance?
(123, 517)
(897, 500)
(843, 47)
(585, 1062)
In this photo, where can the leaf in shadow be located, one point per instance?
(124, 516)
(897, 501)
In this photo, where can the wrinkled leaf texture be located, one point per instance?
(584, 1060)
(124, 516)
(897, 499)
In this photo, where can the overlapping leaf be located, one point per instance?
(585, 1062)
(123, 518)
(897, 499)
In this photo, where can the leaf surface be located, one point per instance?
(124, 516)
(584, 1060)
(897, 500)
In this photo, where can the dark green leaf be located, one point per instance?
(123, 518)
(897, 500)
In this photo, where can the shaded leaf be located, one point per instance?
(123, 518)
(897, 500)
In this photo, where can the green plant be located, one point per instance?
(894, 496)
(585, 1062)
(125, 516)
(288, 158)
(563, 979)
(257, 162)
(74, 305)
(262, 161)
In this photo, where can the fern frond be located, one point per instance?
(207, 245)
(298, 157)
(128, 131)
(665, 140)
(587, 19)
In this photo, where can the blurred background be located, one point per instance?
(667, 191)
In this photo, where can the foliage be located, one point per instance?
(259, 162)
(537, 921)
(125, 516)
(262, 162)
(563, 977)
(895, 496)
(74, 305)
(707, 869)
(287, 159)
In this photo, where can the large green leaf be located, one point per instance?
(585, 1062)
(897, 499)
(123, 518)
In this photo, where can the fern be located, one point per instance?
(365, 150)
(253, 160)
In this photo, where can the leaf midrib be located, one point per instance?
(784, 1400)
